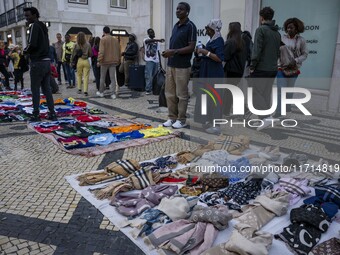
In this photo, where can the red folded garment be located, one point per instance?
(173, 180)
(88, 118)
(80, 104)
(8, 108)
(48, 129)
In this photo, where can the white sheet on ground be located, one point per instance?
(274, 226)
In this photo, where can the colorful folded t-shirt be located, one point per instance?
(130, 128)
(102, 139)
(155, 132)
(75, 143)
(88, 118)
(128, 136)
(47, 129)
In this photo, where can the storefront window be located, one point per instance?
(119, 4)
(321, 20)
(78, 1)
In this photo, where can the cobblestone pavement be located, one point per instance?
(41, 214)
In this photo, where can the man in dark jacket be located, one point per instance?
(130, 55)
(38, 49)
(263, 64)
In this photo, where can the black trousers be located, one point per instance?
(233, 79)
(6, 74)
(59, 65)
(262, 84)
(40, 72)
(18, 77)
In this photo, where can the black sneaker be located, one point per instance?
(52, 116)
(34, 118)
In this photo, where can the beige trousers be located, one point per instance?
(83, 68)
(176, 92)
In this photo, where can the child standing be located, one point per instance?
(18, 73)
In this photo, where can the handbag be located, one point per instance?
(79, 53)
(68, 57)
(213, 182)
(287, 57)
(121, 66)
(291, 71)
(159, 78)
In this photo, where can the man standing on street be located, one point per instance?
(182, 45)
(108, 59)
(58, 45)
(68, 47)
(151, 48)
(130, 56)
(40, 71)
(263, 66)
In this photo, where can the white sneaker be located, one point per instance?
(100, 94)
(168, 123)
(113, 96)
(213, 130)
(97, 93)
(178, 124)
(266, 123)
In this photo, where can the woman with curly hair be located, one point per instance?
(293, 53)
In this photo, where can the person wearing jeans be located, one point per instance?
(284, 82)
(67, 55)
(58, 45)
(182, 45)
(40, 71)
(151, 48)
(293, 53)
(263, 66)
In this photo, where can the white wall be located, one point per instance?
(232, 11)
(94, 16)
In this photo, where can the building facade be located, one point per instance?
(320, 72)
(72, 16)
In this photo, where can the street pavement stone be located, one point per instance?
(40, 212)
(10, 245)
(34, 172)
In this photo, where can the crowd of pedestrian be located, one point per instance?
(268, 56)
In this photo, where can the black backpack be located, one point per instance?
(23, 64)
(159, 79)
